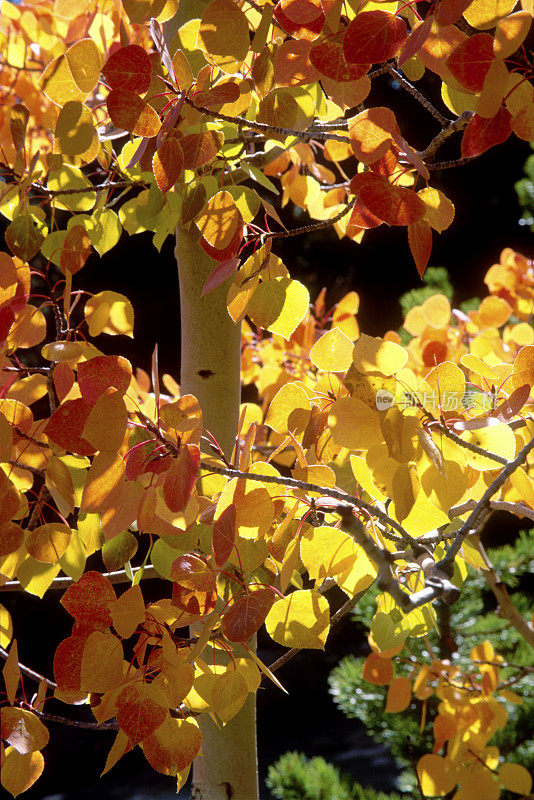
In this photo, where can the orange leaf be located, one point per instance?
(76, 250)
(66, 425)
(130, 113)
(416, 39)
(395, 205)
(138, 714)
(99, 374)
(420, 241)
(128, 611)
(173, 746)
(229, 251)
(450, 11)
(68, 663)
(200, 148)
(181, 478)
(11, 673)
(292, 65)
(327, 56)
(129, 68)
(219, 220)
(88, 600)
(370, 133)
(377, 670)
(399, 695)
(102, 662)
(471, 60)
(192, 573)
(481, 133)
(223, 539)
(296, 28)
(246, 614)
(167, 164)
(373, 37)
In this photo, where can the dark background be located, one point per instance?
(380, 270)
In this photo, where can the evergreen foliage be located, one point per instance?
(473, 618)
(525, 193)
(295, 777)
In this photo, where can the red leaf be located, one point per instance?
(299, 30)
(416, 39)
(420, 241)
(167, 164)
(66, 424)
(129, 68)
(68, 663)
(128, 112)
(138, 715)
(218, 95)
(481, 133)
(327, 57)
(99, 374)
(76, 250)
(221, 272)
(63, 380)
(181, 478)
(7, 318)
(88, 601)
(372, 37)
(224, 530)
(450, 11)
(394, 205)
(470, 61)
(245, 616)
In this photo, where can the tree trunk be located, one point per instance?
(210, 369)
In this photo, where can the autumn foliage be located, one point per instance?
(365, 459)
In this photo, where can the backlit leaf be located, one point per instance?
(219, 220)
(129, 68)
(223, 537)
(515, 778)
(130, 113)
(23, 730)
(139, 715)
(199, 149)
(471, 60)
(181, 478)
(65, 427)
(326, 55)
(332, 352)
(420, 241)
(48, 542)
(102, 662)
(167, 164)
(481, 134)
(437, 775)
(98, 374)
(373, 354)
(173, 746)
(523, 371)
(289, 409)
(74, 128)
(377, 669)
(372, 37)
(300, 620)
(88, 600)
(19, 772)
(370, 133)
(223, 35)
(109, 312)
(278, 305)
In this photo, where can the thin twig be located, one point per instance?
(407, 86)
(314, 226)
(457, 125)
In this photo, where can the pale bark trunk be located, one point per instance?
(210, 369)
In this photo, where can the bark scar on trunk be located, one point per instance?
(228, 788)
(205, 373)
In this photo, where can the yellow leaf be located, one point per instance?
(223, 35)
(523, 371)
(109, 312)
(105, 427)
(48, 542)
(300, 620)
(73, 560)
(498, 439)
(436, 774)
(476, 365)
(254, 507)
(74, 128)
(373, 354)
(19, 772)
(6, 627)
(353, 424)
(484, 14)
(279, 305)
(102, 662)
(439, 212)
(329, 552)
(332, 352)
(230, 693)
(128, 611)
(104, 475)
(219, 220)
(289, 409)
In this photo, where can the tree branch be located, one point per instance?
(407, 86)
